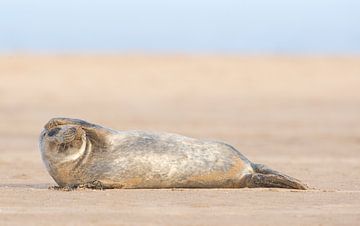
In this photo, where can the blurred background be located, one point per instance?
(277, 79)
(180, 26)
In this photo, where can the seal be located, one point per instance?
(81, 154)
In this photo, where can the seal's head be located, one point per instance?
(62, 143)
(67, 144)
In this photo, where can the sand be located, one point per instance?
(299, 115)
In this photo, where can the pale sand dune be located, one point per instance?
(298, 115)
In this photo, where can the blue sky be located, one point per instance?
(180, 26)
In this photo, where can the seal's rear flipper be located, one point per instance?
(266, 177)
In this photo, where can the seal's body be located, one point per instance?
(78, 153)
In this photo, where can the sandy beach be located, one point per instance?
(299, 115)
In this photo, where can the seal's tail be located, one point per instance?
(266, 177)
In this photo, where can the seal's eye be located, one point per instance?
(53, 132)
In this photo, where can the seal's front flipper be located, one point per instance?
(69, 121)
(258, 180)
(64, 134)
(94, 132)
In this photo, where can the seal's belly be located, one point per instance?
(147, 160)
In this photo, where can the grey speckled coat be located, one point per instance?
(76, 152)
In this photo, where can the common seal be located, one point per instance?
(77, 153)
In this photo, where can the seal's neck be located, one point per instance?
(66, 170)
(74, 157)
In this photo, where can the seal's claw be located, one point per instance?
(51, 124)
(69, 134)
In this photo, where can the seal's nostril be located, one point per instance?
(53, 132)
